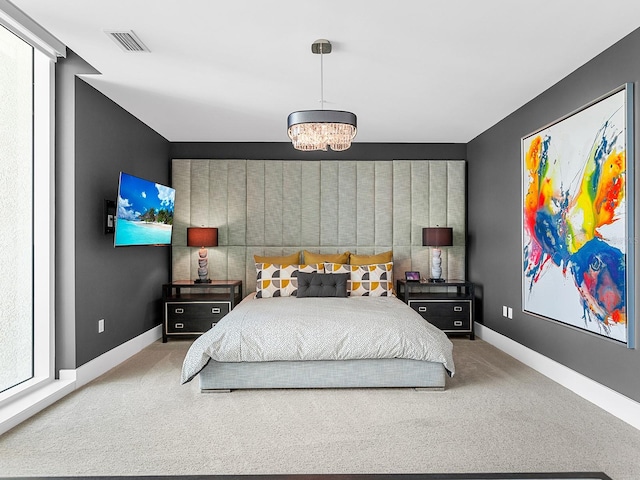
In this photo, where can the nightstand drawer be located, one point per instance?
(450, 316)
(194, 317)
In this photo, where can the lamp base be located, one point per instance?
(437, 280)
(202, 280)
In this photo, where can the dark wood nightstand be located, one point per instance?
(199, 310)
(448, 305)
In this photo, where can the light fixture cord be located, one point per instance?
(321, 77)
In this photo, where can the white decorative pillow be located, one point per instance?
(275, 280)
(339, 268)
(375, 280)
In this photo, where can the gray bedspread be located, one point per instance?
(317, 328)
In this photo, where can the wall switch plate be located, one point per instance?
(101, 325)
(510, 313)
(504, 310)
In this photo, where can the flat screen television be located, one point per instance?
(144, 212)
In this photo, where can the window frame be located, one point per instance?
(43, 190)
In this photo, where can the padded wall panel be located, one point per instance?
(236, 263)
(292, 203)
(310, 207)
(402, 202)
(347, 208)
(180, 259)
(420, 199)
(273, 200)
(329, 203)
(437, 199)
(236, 202)
(218, 263)
(255, 202)
(199, 211)
(181, 181)
(218, 199)
(383, 204)
(365, 205)
(280, 207)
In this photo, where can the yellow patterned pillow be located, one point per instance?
(275, 280)
(384, 257)
(310, 257)
(292, 259)
(374, 280)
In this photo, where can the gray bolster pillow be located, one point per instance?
(322, 284)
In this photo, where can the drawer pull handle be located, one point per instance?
(179, 325)
(457, 323)
(179, 310)
(215, 310)
(422, 309)
(457, 309)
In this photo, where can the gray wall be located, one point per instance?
(65, 272)
(95, 280)
(494, 195)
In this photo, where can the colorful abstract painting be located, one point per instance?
(576, 197)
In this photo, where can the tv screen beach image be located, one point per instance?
(144, 213)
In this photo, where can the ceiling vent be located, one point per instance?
(127, 41)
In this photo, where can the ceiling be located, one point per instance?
(411, 70)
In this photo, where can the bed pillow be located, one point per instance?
(322, 284)
(378, 258)
(275, 280)
(292, 259)
(374, 280)
(310, 257)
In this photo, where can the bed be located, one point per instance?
(320, 341)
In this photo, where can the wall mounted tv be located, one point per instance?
(144, 212)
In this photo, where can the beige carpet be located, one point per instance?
(496, 415)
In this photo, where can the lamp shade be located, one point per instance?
(202, 237)
(437, 237)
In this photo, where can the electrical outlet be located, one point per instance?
(504, 310)
(510, 313)
(101, 325)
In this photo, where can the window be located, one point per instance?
(16, 221)
(26, 227)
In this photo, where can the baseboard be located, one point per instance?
(615, 403)
(27, 405)
(108, 360)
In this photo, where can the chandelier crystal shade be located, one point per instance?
(321, 129)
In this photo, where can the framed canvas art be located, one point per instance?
(577, 219)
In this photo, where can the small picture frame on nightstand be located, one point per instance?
(412, 276)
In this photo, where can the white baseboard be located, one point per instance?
(609, 400)
(29, 404)
(105, 362)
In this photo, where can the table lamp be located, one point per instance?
(202, 237)
(437, 237)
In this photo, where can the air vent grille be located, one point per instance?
(128, 41)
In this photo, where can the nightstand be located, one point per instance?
(449, 305)
(193, 308)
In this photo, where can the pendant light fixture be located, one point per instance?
(319, 129)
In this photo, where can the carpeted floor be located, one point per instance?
(496, 415)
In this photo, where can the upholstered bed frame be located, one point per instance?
(374, 373)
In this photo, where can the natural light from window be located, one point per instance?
(16, 218)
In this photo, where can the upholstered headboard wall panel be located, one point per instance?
(277, 207)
